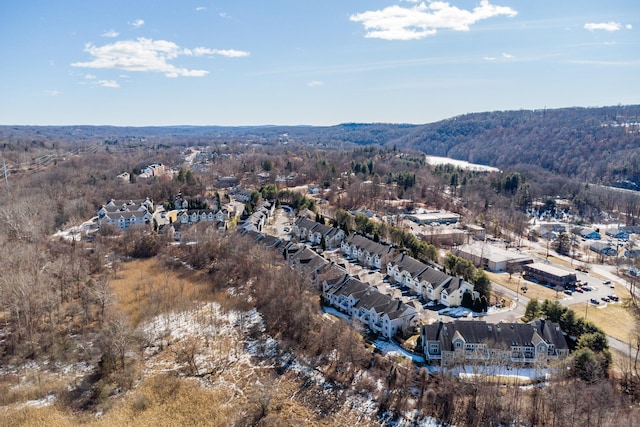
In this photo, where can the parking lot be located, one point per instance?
(591, 290)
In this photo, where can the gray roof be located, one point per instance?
(351, 286)
(409, 264)
(433, 276)
(308, 260)
(369, 245)
(501, 335)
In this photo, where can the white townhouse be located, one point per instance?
(124, 220)
(314, 232)
(192, 216)
(405, 270)
(379, 312)
(369, 253)
(125, 213)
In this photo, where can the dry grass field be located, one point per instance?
(615, 319)
(533, 290)
(144, 287)
(237, 394)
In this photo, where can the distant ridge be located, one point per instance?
(599, 144)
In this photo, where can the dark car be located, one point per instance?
(605, 299)
(594, 301)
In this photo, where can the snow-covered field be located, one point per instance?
(434, 160)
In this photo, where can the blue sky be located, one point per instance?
(250, 62)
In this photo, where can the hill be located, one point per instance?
(597, 145)
(593, 144)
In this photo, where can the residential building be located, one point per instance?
(463, 342)
(381, 313)
(587, 233)
(126, 219)
(603, 248)
(314, 233)
(125, 213)
(371, 254)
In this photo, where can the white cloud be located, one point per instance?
(201, 51)
(108, 83)
(315, 83)
(606, 26)
(139, 55)
(416, 22)
(504, 55)
(89, 77)
(111, 33)
(52, 92)
(137, 23)
(628, 26)
(200, 8)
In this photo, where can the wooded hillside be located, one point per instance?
(597, 145)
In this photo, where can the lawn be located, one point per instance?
(613, 318)
(533, 289)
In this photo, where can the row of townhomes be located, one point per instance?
(371, 254)
(502, 344)
(428, 282)
(447, 344)
(431, 283)
(379, 312)
(314, 233)
(125, 213)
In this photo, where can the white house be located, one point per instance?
(379, 312)
(371, 254)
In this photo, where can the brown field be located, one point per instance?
(235, 396)
(145, 287)
(614, 319)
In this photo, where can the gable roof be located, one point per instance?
(501, 335)
(309, 260)
(433, 276)
(409, 264)
(369, 245)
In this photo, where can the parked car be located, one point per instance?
(594, 301)
(568, 292)
(579, 290)
(614, 298)
(605, 299)
(587, 288)
(606, 282)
